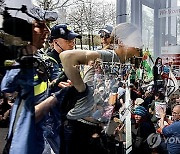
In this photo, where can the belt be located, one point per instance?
(87, 122)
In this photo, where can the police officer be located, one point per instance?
(62, 38)
(24, 135)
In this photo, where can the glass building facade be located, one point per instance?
(159, 22)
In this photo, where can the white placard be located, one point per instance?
(158, 106)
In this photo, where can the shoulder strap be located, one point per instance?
(53, 59)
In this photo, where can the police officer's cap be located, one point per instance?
(63, 31)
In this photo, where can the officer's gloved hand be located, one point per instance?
(61, 78)
(60, 95)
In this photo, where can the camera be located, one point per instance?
(14, 21)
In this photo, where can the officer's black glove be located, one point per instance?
(60, 95)
(61, 78)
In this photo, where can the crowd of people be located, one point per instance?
(68, 101)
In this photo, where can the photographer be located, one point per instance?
(29, 79)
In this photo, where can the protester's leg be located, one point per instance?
(155, 87)
(67, 138)
(83, 138)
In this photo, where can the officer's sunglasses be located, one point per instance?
(106, 35)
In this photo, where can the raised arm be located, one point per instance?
(71, 59)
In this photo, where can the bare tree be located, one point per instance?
(85, 16)
(88, 17)
(48, 4)
(1, 5)
(55, 4)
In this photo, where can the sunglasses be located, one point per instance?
(106, 35)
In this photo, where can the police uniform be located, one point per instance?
(31, 90)
(57, 67)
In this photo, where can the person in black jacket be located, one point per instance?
(157, 71)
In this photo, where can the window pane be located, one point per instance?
(148, 27)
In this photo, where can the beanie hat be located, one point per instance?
(114, 89)
(129, 35)
(140, 110)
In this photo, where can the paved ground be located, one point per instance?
(3, 133)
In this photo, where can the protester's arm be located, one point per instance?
(162, 116)
(70, 59)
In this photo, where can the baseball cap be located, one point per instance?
(63, 31)
(107, 29)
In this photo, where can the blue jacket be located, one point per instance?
(23, 132)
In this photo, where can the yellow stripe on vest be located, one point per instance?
(36, 78)
(40, 88)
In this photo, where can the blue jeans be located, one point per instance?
(66, 138)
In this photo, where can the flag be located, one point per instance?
(148, 69)
(146, 54)
(172, 84)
